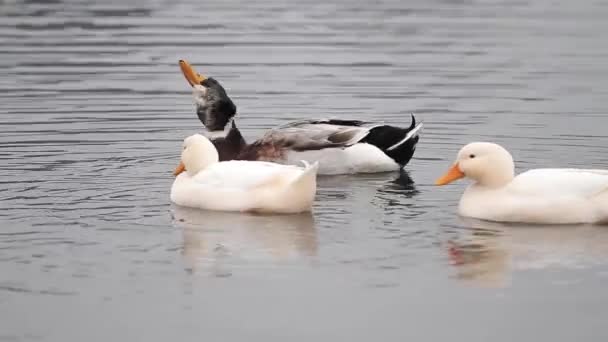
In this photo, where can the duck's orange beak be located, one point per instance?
(179, 169)
(454, 173)
(191, 76)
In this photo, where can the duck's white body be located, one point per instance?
(358, 158)
(245, 185)
(550, 196)
(556, 196)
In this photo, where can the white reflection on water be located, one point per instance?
(216, 241)
(489, 252)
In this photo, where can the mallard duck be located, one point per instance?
(340, 146)
(253, 186)
(550, 196)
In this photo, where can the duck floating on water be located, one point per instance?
(340, 146)
(247, 186)
(540, 196)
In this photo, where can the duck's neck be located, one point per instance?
(496, 180)
(228, 142)
(221, 133)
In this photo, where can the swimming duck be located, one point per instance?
(253, 186)
(550, 196)
(340, 146)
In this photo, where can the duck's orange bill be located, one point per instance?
(191, 76)
(179, 169)
(453, 174)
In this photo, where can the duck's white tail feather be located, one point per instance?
(600, 200)
(310, 172)
(303, 188)
(409, 136)
(288, 193)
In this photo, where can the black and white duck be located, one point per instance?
(340, 146)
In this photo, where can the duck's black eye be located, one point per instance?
(471, 156)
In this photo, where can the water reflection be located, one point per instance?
(490, 252)
(93, 107)
(403, 184)
(219, 242)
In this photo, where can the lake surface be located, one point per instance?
(94, 108)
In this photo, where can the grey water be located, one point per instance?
(94, 108)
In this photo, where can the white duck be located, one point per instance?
(251, 186)
(551, 196)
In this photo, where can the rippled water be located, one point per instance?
(94, 109)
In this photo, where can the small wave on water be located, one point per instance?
(93, 111)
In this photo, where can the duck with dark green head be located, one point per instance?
(340, 146)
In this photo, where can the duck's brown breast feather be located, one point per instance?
(263, 151)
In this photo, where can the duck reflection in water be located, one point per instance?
(395, 198)
(404, 183)
(222, 242)
(388, 192)
(490, 252)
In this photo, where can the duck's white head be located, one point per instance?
(197, 154)
(486, 163)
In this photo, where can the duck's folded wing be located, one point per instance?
(241, 174)
(580, 183)
(319, 134)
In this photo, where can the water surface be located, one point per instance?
(93, 110)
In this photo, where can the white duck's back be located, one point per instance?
(582, 183)
(237, 174)
(556, 196)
